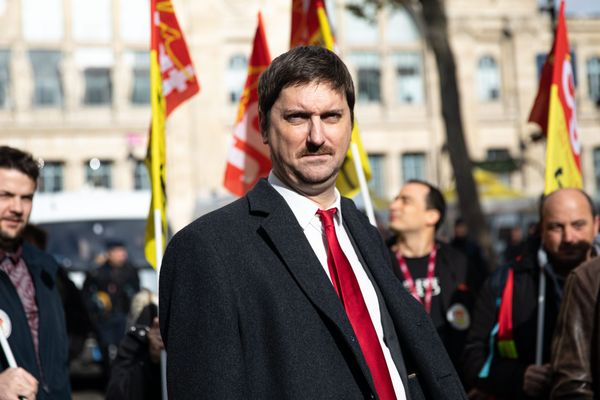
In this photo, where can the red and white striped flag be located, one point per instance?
(248, 159)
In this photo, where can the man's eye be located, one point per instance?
(333, 117)
(579, 224)
(295, 118)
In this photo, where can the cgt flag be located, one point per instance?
(172, 81)
(248, 159)
(554, 111)
(310, 26)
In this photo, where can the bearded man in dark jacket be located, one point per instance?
(517, 366)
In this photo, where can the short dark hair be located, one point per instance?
(302, 65)
(544, 197)
(434, 200)
(11, 158)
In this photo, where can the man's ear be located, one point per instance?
(432, 217)
(596, 223)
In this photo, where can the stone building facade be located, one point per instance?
(74, 90)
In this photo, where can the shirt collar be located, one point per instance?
(14, 256)
(304, 209)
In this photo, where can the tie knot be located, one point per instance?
(327, 216)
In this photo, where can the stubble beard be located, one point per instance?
(10, 242)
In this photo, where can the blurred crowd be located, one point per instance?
(526, 330)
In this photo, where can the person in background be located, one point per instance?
(576, 345)
(109, 290)
(471, 249)
(77, 316)
(514, 245)
(506, 310)
(135, 373)
(31, 313)
(433, 272)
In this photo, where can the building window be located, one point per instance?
(42, 20)
(376, 184)
(140, 92)
(46, 75)
(4, 78)
(134, 20)
(413, 166)
(488, 79)
(141, 180)
(368, 71)
(597, 170)
(51, 177)
(401, 27)
(98, 86)
(360, 31)
(409, 80)
(500, 155)
(98, 173)
(237, 71)
(92, 20)
(593, 75)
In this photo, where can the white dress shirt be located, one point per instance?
(305, 211)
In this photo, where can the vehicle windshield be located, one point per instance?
(80, 245)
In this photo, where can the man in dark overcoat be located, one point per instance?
(288, 293)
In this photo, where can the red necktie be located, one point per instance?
(346, 286)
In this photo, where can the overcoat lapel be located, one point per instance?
(44, 282)
(400, 304)
(281, 228)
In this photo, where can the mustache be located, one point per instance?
(581, 246)
(312, 150)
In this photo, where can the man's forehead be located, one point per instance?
(414, 190)
(322, 86)
(566, 204)
(13, 179)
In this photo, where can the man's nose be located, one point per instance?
(316, 135)
(569, 235)
(16, 205)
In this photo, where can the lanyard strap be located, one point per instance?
(411, 282)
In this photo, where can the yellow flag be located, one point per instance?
(554, 110)
(172, 81)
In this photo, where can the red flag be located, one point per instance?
(177, 72)
(306, 28)
(172, 81)
(554, 110)
(248, 159)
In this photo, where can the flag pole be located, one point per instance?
(362, 181)
(539, 344)
(10, 358)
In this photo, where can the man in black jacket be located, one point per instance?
(288, 292)
(31, 313)
(433, 272)
(506, 311)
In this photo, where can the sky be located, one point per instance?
(580, 7)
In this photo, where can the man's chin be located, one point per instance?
(569, 261)
(11, 234)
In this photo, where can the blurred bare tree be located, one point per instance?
(434, 25)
